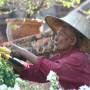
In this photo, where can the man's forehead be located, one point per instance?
(63, 29)
(66, 29)
(64, 25)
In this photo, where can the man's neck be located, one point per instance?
(65, 51)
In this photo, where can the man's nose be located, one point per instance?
(56, 38)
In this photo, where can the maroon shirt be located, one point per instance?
(73, 69)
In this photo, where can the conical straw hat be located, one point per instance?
(77, 21)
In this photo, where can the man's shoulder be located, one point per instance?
(79, 56)
(76, 58)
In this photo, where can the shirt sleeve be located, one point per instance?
(39, 71)
(69, 68)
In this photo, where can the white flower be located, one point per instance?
(18, 80)
(9, 88)
(51, 76)
(3, 87)
(51, 88)
(84, 87)
(16, 87)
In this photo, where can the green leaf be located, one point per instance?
(88, 11)
(78, 1)
(6, 74)
(14, 27)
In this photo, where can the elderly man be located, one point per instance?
(70, 62)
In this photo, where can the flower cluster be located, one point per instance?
(84, 87)
(52, 77)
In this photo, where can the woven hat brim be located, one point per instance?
(54, 23)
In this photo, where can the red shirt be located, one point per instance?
(72, 68)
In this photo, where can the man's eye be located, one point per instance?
(60, 33)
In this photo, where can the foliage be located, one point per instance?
(87, 12)
(6, 74)
(11, 81)
(26, 85)
(33, 6)
(3, 2)
(69, 3)
(19, 85)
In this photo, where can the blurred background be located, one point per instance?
(19, 19)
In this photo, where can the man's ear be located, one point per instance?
(73, 41)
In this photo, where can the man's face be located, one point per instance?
(65, 38)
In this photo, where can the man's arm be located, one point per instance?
(27, 54)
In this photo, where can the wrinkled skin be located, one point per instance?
(65, 38)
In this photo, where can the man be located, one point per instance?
(70, 61)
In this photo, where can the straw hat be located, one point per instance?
(77, 21)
